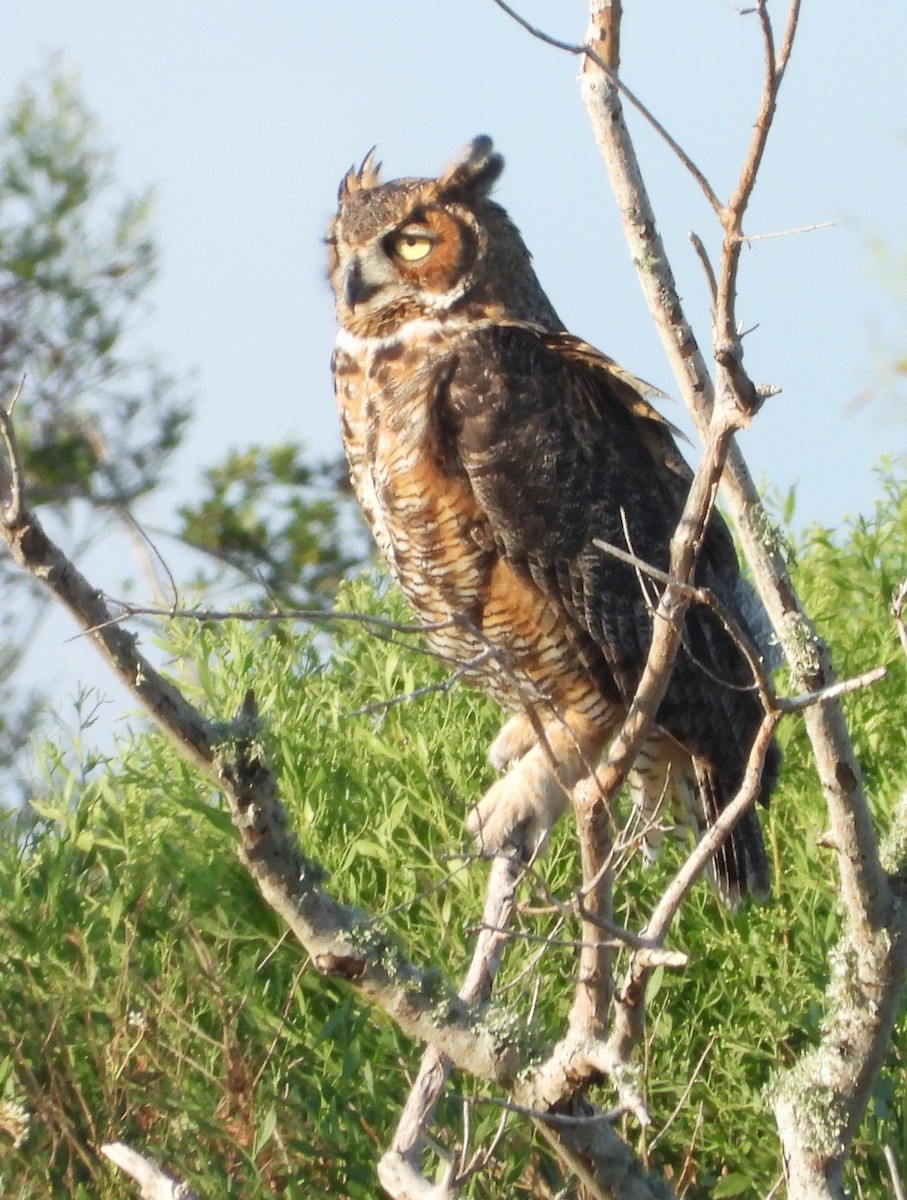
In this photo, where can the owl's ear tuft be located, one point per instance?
(367, 176)
(473, 172)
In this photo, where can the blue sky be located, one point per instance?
(244, 117)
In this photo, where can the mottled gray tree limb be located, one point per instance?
(399, 1170)
(819, 1104)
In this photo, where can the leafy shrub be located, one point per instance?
(146, 992)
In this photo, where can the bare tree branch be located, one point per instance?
(341, 941)
(398, 1171)
(592, 1002)
(897, 611)
(896, 1181)
(603, 62)
(875, 922)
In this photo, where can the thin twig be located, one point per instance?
(782, 233)
(666, 908)
(155, 1182)
(893, 1170)
(588, 52)
(442, 687)
(12, 508)
(483, 1155)
(128, 610)
(708, 269)
(630, 1001)
(775, 1189)
(707, 598)
(684, 1096)
(792, 704)
(688, 1157)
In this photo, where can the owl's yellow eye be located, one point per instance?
(411, 246)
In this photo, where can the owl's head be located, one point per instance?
(428, 247)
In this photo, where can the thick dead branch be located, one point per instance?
(398, 1171)
(592, 1002)
(607, 1168)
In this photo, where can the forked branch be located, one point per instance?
(875, 924)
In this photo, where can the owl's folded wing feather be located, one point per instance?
(561, 448)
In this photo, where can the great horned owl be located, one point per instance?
(489, 449)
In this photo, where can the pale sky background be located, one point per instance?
(245, 116)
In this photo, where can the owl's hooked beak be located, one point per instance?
(356, 288)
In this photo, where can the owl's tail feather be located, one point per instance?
(739, 868)
(671, 789)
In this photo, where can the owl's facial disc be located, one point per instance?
(365, 277)
(419, 263)
(379, 265)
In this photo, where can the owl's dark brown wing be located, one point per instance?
(561, 449)
(610, 384)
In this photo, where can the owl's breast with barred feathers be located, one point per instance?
(487, 621)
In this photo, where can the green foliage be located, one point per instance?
(146, 994)
(97, 418)
(278, 520)
(100, 418)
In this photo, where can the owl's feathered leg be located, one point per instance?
(533, 794)
(516, 738)
(662, 787)
(676, 791)
(671, 789)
